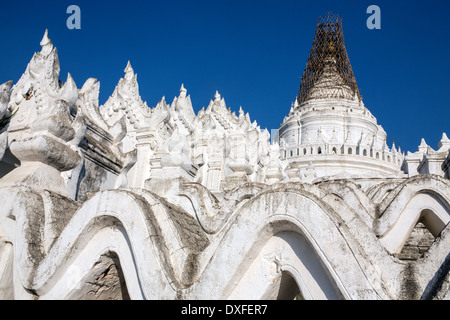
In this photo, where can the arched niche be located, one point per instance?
(423, 207)
(287, 268)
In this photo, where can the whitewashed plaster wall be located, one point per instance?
(179, 205)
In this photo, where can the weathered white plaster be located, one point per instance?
(126, 201)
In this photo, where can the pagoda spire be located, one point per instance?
(328, 72)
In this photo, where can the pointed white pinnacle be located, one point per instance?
(183, 91)
(129, 68)
(217, 96)
(45, 39)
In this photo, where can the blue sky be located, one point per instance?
(253, 52)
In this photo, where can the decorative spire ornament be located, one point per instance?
(183, 91)
(217, 96)
(129, 72)
(46, 42)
